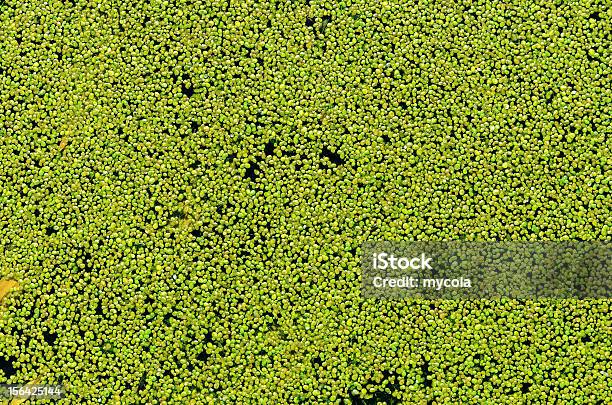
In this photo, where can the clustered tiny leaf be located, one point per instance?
(185, 187)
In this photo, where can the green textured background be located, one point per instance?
(185, 187)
